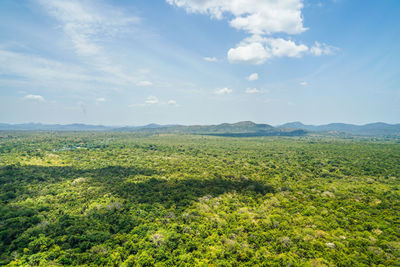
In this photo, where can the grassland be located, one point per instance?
(141, 200)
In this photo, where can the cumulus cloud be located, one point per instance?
(303, 83)
(260, 19)
(322, 49)
(223, 91)
(253, 16)
(34, 98)
(257, 50)
(210, 59)
(253, 77)
(172, 102)
(144, 83)
(253, 53)
(252, 91)
(100, 100)
(152, 100)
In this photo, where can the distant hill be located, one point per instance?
(240, 129)
(378, 128)
(243, 128)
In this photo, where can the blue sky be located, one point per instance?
(136, 62)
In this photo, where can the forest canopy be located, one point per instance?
(136, 199)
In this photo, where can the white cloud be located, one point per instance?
(100, 100)
(252, 91)
(257, 50)
(144, 83)
(223, 91)
(152, 100)
(253, 77)
(322, 49)
(37, 68)
(286, 48)
(210, 59)
(260, 19)
(253, 53)
(48, 74)
(87, 24)
(253, 16)
(304, 83)
(34, 98)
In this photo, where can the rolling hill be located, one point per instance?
(378, 128)
(243, 128)
(240, 129)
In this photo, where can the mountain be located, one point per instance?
(378, 128)
(243, 128)
(239, 129)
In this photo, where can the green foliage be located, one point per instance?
(142, 200)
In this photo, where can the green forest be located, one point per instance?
(140, 199)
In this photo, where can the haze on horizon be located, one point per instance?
(191, 62)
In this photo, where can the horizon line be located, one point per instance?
(195, 124)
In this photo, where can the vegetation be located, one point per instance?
(371, 129)
(239, 129)
(142, 200)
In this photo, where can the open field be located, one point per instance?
(140, 199)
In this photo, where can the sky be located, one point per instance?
(135, 62)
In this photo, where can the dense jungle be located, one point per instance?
(136, 199)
